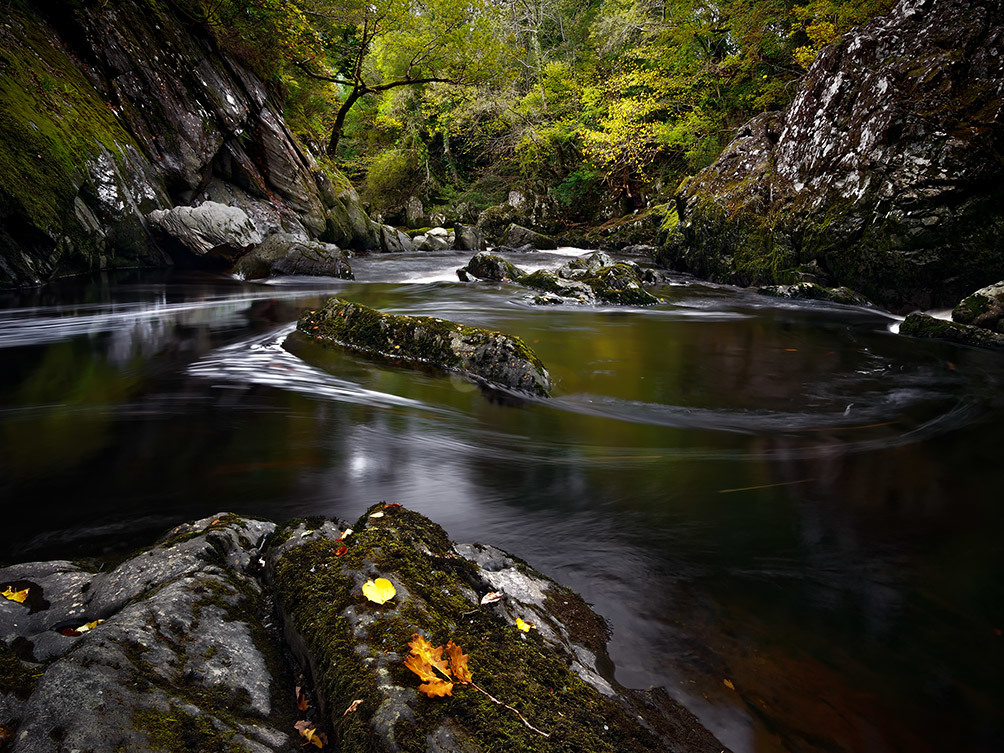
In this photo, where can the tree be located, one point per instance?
(373, 46)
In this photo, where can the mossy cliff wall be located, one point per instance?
(110, 110)
(885, 173)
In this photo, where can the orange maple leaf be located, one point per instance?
(427, 661)
(458, 662)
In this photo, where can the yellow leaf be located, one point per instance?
(18, 596)
(436, 688)
(311, 735)
(379, 591)
(458, 662)
(427, 657)
(89, 626)
(728, 684)
(524, 627)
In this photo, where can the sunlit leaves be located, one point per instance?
(309, 733)
(524, 627)
(438, 675)
(12, 595)
(379, 591)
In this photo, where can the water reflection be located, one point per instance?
(780, 495)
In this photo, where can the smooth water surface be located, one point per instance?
(782, 495)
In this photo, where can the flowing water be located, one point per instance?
(791, 516)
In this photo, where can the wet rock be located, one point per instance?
(469, 238)
(884, 169)
(984, 308)
(414, 212)
(181, 661)
(394, 241)
(209, 228)
(922, 325)
(491, 358)
(595, 277)
(515, 235)
(643, 250)
(812, 291)
(284, 254)
(488, 266)
(432, 242)
(552, 675)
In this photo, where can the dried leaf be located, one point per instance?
(12, 595)
(340, 550)
(491, 597)
(69, 632)
(302, 702)
(376, 515)
(345, 534)
(524, 627)
(458, 662)
(437, 688)
(379, 591)
(310, 734)
(728, 683)
(89, 626)
(352, 706)
(391, 505)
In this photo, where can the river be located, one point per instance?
(791, 516)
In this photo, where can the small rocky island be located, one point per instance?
(234, 634)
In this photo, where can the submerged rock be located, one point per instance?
(922, 325)
(984, 308)
(492, 358)
(181, 661)
(551, 675)
(284, 254)
(813, 292)
(885, 169)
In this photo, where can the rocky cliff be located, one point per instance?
(111, 111)
(884, 174)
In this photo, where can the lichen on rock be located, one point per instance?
(812, 292)
(492, 358)
(285, 254)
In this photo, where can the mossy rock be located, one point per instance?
(813, 292)
(984, 308)
(488, 266)
(492, 358)
(357, 649)
(922, 325)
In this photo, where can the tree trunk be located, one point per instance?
(336, 131)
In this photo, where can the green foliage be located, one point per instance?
(391, 177)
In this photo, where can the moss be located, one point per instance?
(15, 677)
(316, 587)
(178, 731)
(970, 308)
(53, 123)
(922, 325)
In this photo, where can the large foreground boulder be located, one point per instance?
(885, 170)
(541, 690)
(168, 651)
(491, 358)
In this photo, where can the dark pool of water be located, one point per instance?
(785, 496)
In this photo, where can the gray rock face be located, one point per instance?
(491, 358)
(209, 228)
(885, 169)
(432, 242)
(488, 266)
(468, 238)
(180, 661)
(813, 292)
(414, 212)
(284, 254)
(515, 235)
(173, 122)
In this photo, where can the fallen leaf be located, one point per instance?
(376, 515)
(391, 505)
(436, 688)
(424, 660)
(728, 683)
(5, 736)
(311, 735)
(69, 632)
(524, 627)
(345, 534)
(86, 627)
(491, 597)
(12, 595)
(379, 591)
(340, 550)
(352, 706)
(302, 702)
(458, 662)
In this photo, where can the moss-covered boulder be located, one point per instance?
(885, 169)
(813, 292)
(179, 662)
(984, 308)
(541, 690)
(489, 266)
(492, 358)
(284, 254)
(922, 325)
